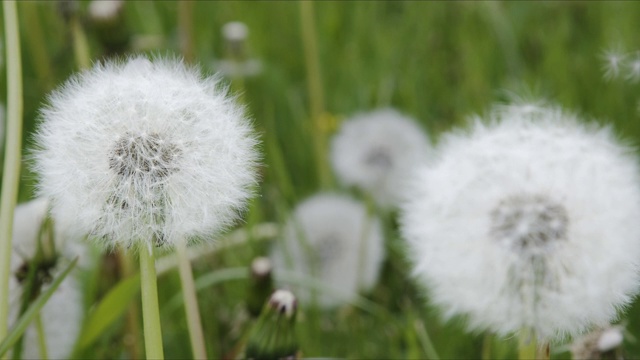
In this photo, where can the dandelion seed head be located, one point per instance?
(62, 314)
(145, 152)
(377, 151)
(324, 239)
(527, 221)
(235, 31)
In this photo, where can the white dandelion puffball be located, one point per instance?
(331, 238)
(145, 152)
(62, 315)
(528, 221)
(377, 152)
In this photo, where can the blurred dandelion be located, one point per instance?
(62, 314)
(331, 238)
(377, 151)
(528, 222)
(237, 63)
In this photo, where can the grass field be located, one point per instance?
(438, 62)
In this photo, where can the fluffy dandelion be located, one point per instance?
(377, 151)
(331, 238)
(62, 315)
(528, 221)
(146, 154)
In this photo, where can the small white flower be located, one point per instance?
(528, 221)
(377, 152)
(105, 10)
(329, 237)
(62, 314)
(614, 62)
(235, 31)
(145, 153)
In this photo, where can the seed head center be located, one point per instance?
(528, 223)
(146, 156)
(379, 158)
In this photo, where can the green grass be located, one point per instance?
(436, 61)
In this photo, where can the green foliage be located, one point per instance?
(436, 61)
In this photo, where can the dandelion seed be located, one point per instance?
(614, 62)
(377, 151)
(145, 153)
(528, 221)
(332, 238)
(62, 314)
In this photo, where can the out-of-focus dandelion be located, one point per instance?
(528, 222)
(108, 21)
(145, 154)
(377, 151)
(237, 63)
(331, 238)
(61, 317)
(633, 68)
(604, 343)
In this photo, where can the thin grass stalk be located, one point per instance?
(11, 172)
(316, 94)
(37, 45)
(150, 308)
(527, 345)
(80, 44)
(185, 29)
(189, 293)
(42, 338)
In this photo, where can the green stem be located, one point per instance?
(316, 94)
(527, 345)
(185, 29)
(80, 44)
(11, 172)
(425, 340)
(42, 340)
(191, 303)
(486, 346)
(150, 308)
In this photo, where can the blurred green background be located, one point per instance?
(436, 61)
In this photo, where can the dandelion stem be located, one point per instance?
(42, 340)
(150, 308)
(191, 303)
(185, 29)
(316, 95)
(80, 44)
(11, 172)
(487, 339)
(527, 345)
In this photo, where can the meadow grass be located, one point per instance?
(436, 61)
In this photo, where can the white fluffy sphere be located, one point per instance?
(329, 237)
(62, 315)
(144, 152)
(377, 152)
(528, 221)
